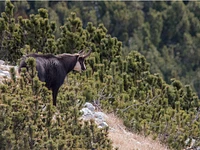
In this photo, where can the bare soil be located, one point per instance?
(125, 140)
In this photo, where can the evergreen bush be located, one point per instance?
(119, 83)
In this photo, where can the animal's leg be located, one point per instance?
(54, 94)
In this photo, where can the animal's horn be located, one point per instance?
(86, 55)
(80, 52)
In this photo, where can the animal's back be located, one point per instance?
(40, 58)
(45, 56)
(49, 68)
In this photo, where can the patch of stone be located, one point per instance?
(2, 62)
(192, 144)
(4, 71)
(89, 106)
(89, 113)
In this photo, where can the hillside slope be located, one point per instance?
(125, 140)
(119, 83)
(121, 138)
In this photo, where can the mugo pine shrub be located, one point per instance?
(30, 121)
(117, 83)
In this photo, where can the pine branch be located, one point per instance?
(147, 102)
(101, 96)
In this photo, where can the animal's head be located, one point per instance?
(80, 64)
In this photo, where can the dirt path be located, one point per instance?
(124, 140)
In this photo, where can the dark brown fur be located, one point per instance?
(53, 69)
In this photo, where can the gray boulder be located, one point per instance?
(89, 106)
(90, 113)
(87, 114)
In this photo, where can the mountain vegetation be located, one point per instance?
(143, 54)
(166, 33)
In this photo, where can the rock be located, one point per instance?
(100, 115)
(192, 144)
(89, 106)
(5, 71)
(187, 141)
(2, 62)
(89, 113)
(103, 125)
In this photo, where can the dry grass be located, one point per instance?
(124, 140)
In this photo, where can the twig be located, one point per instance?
(101, 96)
(147, 102)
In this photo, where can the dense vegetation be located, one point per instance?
(118, 80)
(165, 32)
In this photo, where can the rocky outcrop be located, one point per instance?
(90, 113)
(4, 70)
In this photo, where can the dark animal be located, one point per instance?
(52, 69)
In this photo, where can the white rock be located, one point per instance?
(100, 115)
(2, 74)
(89, 106)
(192, 142)
(103, 125)
(6, 67)
(98, 121)
(6, 73)
(2, 62)
(187, 141)
(87, 114)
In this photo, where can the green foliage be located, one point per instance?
(164, 32)
(73, 36)
(9, 35)
(35, 32)
(30, 121)
(38, 32)
(118, 83)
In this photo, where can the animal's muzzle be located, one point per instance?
(83, 68)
